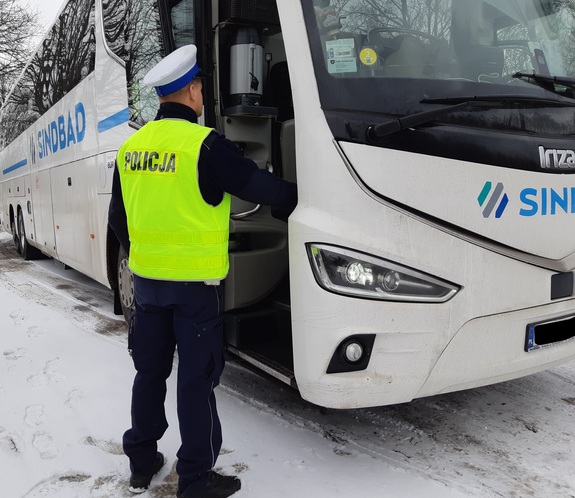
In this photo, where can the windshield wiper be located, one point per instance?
(543, 79)
(379, 131)
(504, 98)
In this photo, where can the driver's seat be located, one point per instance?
(480, 60)
(409, 60)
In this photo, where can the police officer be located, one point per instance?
(170, 210)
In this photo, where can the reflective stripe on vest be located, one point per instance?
(174, 233)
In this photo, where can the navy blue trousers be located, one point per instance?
(189, 316)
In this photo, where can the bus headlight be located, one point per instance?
(356, 274)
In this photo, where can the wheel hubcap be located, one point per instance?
(126, 284)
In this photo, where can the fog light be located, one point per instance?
(353, 352)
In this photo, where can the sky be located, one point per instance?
(47, 9)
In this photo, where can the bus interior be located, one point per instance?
(255, 109)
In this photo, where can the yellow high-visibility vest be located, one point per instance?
(174, 233)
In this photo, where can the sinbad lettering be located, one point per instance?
(63, 132)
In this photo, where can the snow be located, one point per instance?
(65, 381)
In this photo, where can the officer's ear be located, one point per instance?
(195, 89)
(195, 96)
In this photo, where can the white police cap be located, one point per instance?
(174, 71)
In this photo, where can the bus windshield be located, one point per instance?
(388, 56)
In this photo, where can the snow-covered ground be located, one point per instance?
(65, 380)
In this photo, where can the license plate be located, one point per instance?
(550, 333)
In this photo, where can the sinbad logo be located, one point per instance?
(494, 198)
(63, 132)
(547, 201)
(543, 201)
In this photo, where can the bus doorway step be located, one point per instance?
(265, 364)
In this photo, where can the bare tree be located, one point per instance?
(568, 35)
(428, 16)
(18, 25)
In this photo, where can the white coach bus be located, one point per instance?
(433, 143)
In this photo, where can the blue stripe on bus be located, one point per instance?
(15, 166)
(115, 120)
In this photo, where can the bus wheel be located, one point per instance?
(125, 286)
(15, 237)
(26, 250)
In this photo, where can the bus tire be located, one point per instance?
(15, 237)
(27, 251)
(125, 285)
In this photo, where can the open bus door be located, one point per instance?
(256, 112)
(247, 96)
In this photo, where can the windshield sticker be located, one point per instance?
(368, 56)
(341, 56)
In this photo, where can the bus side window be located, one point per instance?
(130, 31)
(287, 144)
(182, 16)
(64, 58)
(279, 95)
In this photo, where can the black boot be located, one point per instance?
(140, 482)
(216, 486)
